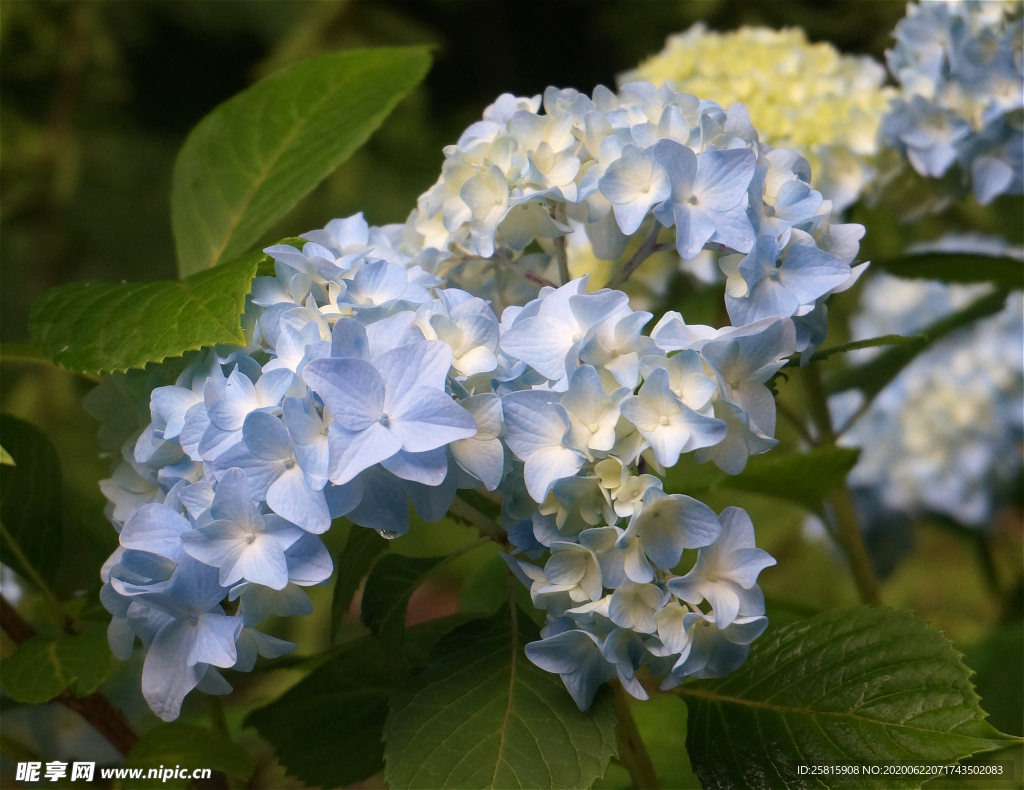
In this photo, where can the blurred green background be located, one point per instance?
(97, 97)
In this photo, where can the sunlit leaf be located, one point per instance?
(257, 154)
(99, 328)
(93, 327)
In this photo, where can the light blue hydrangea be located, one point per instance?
(943, 437)
(388, 367)
(961, 72)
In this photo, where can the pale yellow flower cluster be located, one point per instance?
(804, 96)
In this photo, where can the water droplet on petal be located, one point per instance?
(387, 534)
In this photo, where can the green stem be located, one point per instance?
(850, 537)
(632, 752)
(561, 254)
(460, 508)
(817, 404)
(646, 249)
(871, 342)
(215, 713)
(518, 268)
(462, 550)
(219, 725)
(796, 421)
(30, 573)
(852, 541)
(986, 559)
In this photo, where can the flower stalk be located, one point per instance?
(850, 537)
(632, 751)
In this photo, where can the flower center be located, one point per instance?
(384, 420)
(645, 188)
(594, 427)
(664, 419)
(250, 537)
(289, 464)
(692, 200)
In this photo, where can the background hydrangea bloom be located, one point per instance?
(944, 436)
(799, 95)
(961, 75)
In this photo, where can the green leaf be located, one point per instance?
(805, 478)
(98, 328)
(873, 376)
(363, 549)
(481, 715)
(485, 589)
(41, 668)
(856, 345)
(86, 661)
(326, 730)
(30, 500)
(191, 747)
(863, 686)
(255, 156)
(6, 459)
(999, 662)
(388, 589)
(33, 673)
(808, 478)
(957, 268)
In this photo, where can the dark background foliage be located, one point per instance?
(96, 98)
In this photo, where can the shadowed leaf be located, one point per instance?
(868, 686)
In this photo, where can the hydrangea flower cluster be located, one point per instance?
(799, 95)
(633, 163)
(370, 381)
(946, 433)
(961, 71)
